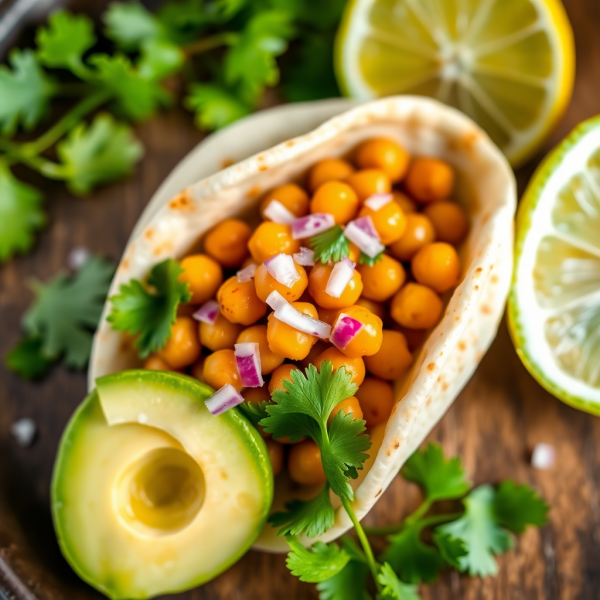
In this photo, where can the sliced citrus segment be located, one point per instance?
(508, 64)
(554, 307)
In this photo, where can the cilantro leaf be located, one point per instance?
(320, 563)
(148, 315)
(254, 412)
(393, 588)
(480, 532)
(451, 549)
(129, 24)
(516, 506)
(66, 39)
(183, 21)
(21, 213)
(440, 479)
(67, 309)
(313, 13)
(159, 59)
(28, 360)
(369, 261)
(330, 245)
(312, 517)
(102, 152)
(214, 106)
(25, 91)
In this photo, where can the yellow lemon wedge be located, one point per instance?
(507, 64)
(554, 307)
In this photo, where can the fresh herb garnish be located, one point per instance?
(330, 245)
(317, 564)
(254, 412)
(369, 261)
(148, 311)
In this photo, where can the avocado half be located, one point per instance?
(151, 494)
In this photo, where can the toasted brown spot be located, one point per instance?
(378, 493)
(431, 366)
(182, 202)
(428, 401)
(124, 264)
(478, 271)
(486, 218)
(163, 248)
(479, 356)
(462, 346)
(396, 445)
(227, 162)
(476, 288)
(254, 191)
(445, 386)
(262, 167)
(494, 279)
(469, 140)
(486, 310)
(290, 143)
(457, 318)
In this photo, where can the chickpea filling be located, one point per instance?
(350, 265)
(161, 492)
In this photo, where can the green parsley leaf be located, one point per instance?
(129, 24)
(102, 152)
(516, 506)
(214, 105)
(66, 39)
(451, 549)
(149, 314)
(369, 261)
(184, 21)
(21, 213)
(351, 582)
(312, 517)
(320, 563)
(254, 412)
(159, 59)
(67, 310)
(393, 588)
(28, 360)
(440, 479)
(25, 91)
(480, 532)
(330, 245)
(317, 15)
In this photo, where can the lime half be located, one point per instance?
(554, 307)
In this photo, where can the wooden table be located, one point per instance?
(494, 424)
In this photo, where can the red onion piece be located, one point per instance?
(282, 268)
(246, 274)
(224, 399)
(340, 277)
(208, 312)
(362, 232)
(305, 257)
(310, 225)
(278, 213)
(378, 201)
(275, 300)
(286, 313)
(247, 358)
(345, 330)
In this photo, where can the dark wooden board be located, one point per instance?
(494, 424)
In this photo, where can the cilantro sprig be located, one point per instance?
(330, 245)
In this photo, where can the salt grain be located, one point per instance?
(24, 431)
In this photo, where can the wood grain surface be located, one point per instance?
(494, 424)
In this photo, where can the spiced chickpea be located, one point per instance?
(382, 280)
(393, 358)
(203, 275)
(437, 266)
(449, 221)
(257, 334)
(349, 406)
(220, 368)
(416, 306)
(183, 346)
(265, 283)
(317, 284)
(376, 398)
(368, 340)
(429, 180)
(279, 375)
(354, 366)
(368, 182)
(292, 196)
(288, 341)
(328, 169)
(219, 335)
(239, 302)
(304, 464)
(419, 232)
(335, 198)
(227, 242)
(270, 239)
(384, 154)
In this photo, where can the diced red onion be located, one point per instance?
(286, 313)
(306, 227)
(362, 232)
(275, 300)
(224, 399)
(340, 277)
(306, 257)
(344, 330)
(247, 358)
(283, 269)
(278, 213)
(377, 201)
(246, 274)
(208, 312)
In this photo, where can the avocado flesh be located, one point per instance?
(151, 493)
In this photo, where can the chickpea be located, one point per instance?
(416, 306)
(429, 179)
(419, 232)
(183, 347)
(404, 202)
(265, 284)
(376, 399)
(328, 169)
(270, 239)
(349, 406)
(354, 366)
(384, 154)
(256, 395)
(317, 349)
(437, 265)
(220, 368)
(220, 335)
(393, 357)
(279, 375)
(383, 279)
(304, 464)
(275, 452)
(257, 334)
(239, 302)
(203, 275)
(353, 252)
(368, 182)
(375, 307)
(156, 363)
(197, 369)
(287, 341)
(368, 340)
(292, 196)
(336, 198)
(389, 221)
(317, 284)
(414, 337)
(227, 243)
(449, 221)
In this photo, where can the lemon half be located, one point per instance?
(554, 307)
(508, 64)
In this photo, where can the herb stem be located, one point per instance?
(423, 523)
(74, 89)
(226, 38)
(44, 166)
(419, 513)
